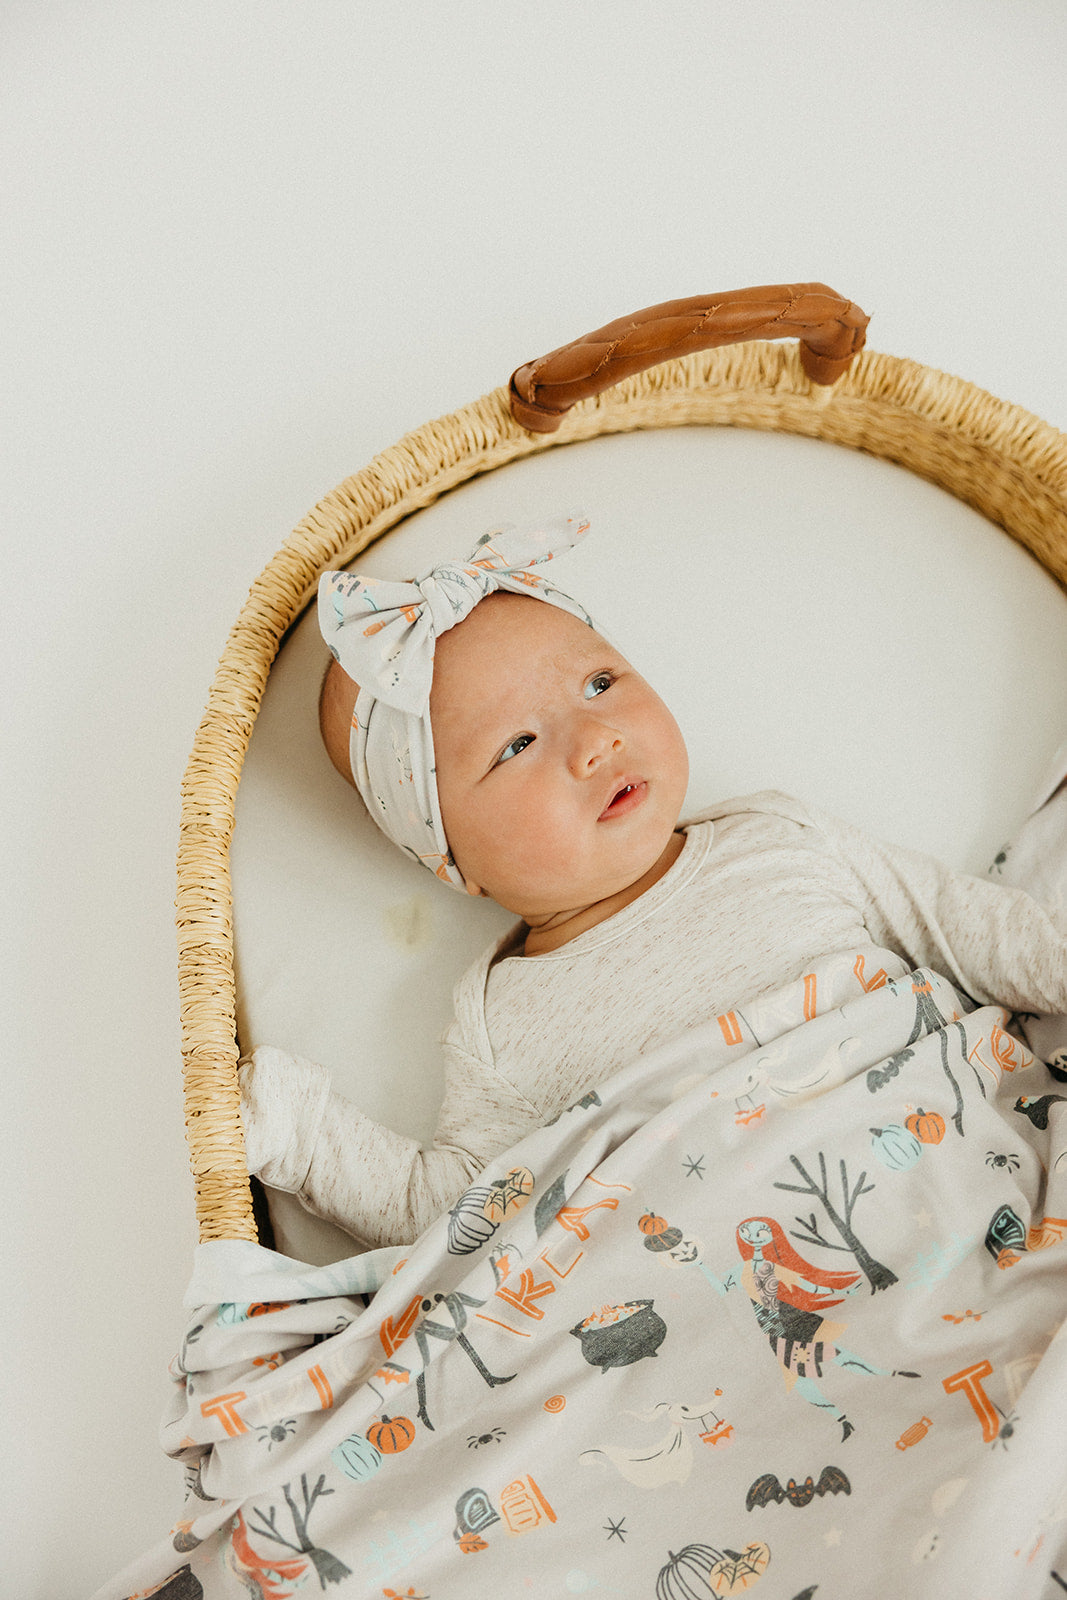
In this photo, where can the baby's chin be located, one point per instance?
(592, 901)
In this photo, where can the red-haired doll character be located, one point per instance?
(790, 1297)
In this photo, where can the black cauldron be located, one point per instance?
(617, 1336)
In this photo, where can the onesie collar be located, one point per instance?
(691, 857)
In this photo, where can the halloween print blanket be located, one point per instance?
(777, 1310)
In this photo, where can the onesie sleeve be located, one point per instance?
(995, 942)
(378, 1185)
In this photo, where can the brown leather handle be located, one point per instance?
(830, 328)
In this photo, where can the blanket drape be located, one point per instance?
(778, 1307)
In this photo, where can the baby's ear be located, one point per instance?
(337, 702)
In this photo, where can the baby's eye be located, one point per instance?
(514, 747)
(597, 685)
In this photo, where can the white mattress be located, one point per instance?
(819, 621)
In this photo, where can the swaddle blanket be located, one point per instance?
(778, 1308)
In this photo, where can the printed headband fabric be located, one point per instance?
(383, 635)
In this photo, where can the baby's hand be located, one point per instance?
(281, 1095)
(260, 1077)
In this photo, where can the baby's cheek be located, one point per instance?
(548, 852)
(547, 845)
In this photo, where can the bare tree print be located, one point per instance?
(328, 1567)
(877, 1275)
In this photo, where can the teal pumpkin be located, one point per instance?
(896, 1147)
(357, 1458)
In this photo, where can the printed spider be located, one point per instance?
(993, 1160)
(475, 1439)
(278, 1432)
(1006, 1430)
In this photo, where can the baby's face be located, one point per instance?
(561, 774)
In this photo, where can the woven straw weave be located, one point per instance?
(1006, 463)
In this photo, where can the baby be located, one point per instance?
(499, 739)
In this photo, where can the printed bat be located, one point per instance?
(767, 1488)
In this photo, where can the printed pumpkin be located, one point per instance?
(896, 1147)
(469, 1225)
(667, 1240)
(927, 1126)
(391, 1434)
(687, 1575)
(357, 1458)
(699, 1571)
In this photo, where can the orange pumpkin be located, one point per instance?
(391, 1434)
(927, 1126)
(650, 1223)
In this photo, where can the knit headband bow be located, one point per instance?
(382, 634)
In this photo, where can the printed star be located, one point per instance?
(832, 1537)
(616, 1528)
(694, 1167)
(923, 1218)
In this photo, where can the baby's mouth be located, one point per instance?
(625, 798)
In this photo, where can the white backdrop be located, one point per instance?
(250, 244)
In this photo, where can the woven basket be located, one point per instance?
(1003, 461)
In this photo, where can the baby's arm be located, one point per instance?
(994, 941)
(302, 1138)
(377, 1184)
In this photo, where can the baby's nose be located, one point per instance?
(597, 741)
